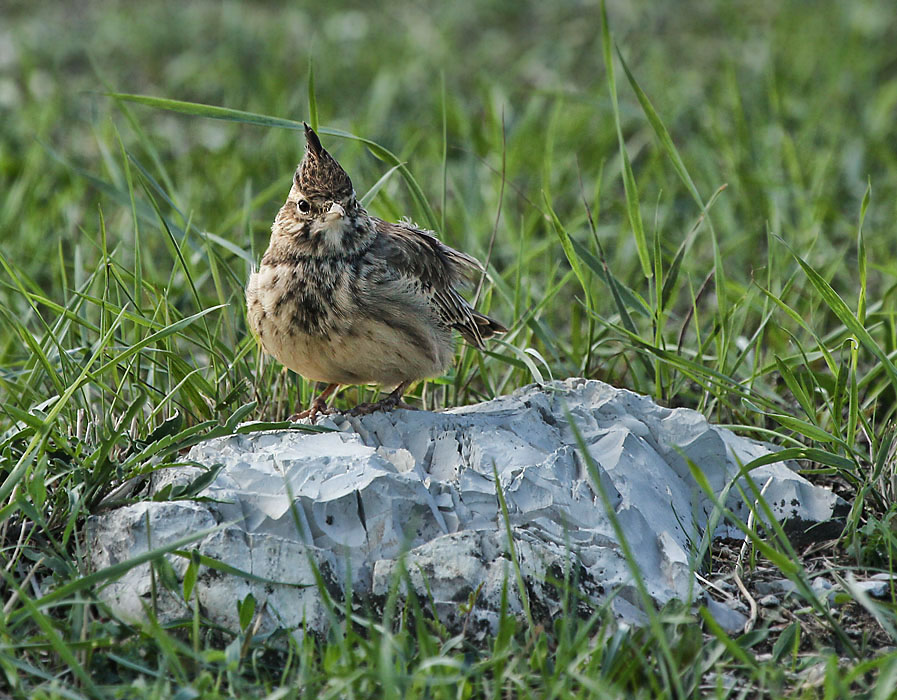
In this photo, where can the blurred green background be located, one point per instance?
(787, 102)
(790, 104)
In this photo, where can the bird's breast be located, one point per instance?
(314, 298)
(331, 322)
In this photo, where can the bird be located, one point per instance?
(345, 298)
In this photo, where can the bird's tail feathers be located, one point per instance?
(488, 327)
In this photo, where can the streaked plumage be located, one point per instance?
(346, 298)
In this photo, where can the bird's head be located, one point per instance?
(322, 190)
(321, 207)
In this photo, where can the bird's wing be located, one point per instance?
(418, 254)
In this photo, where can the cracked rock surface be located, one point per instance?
(409, 499)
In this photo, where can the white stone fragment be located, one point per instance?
(879, 586)
(409, 499)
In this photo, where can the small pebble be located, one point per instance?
(876, 589)
(782, 585)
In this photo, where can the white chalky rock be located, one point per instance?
(408, 498)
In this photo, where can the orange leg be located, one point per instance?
(319, 405)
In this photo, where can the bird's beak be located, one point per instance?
(335, 212)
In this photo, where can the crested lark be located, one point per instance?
(346, 298)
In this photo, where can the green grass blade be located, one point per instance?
(627, 299)
(59, 645)
(153, 338)
(630, 188)
(839, 307)
(660, 130)
(242, 117)
(861, 255)
(368, 196)
(567, 246)
(312, 99)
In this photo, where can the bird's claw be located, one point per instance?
(318, 408)
(388, 404)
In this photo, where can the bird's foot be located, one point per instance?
(394, 400)
(318, 408)
(364, 409)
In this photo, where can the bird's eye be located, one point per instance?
(304, 206)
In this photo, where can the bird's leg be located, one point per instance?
(394, 400)
(319, 405)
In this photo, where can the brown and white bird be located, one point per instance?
(343, 297)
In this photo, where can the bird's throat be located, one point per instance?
(333, 234)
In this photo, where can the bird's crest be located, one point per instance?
(319, 174)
